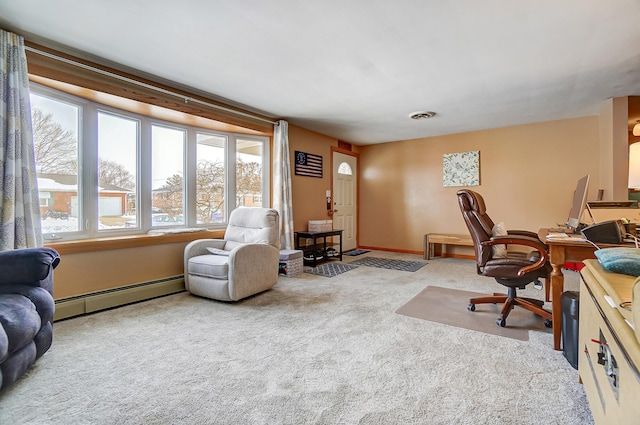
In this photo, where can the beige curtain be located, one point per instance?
(19, 207)
(282, 183)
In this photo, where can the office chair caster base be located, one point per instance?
(501, 322)
(548, 323)
(471, 307)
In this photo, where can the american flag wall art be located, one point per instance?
(308, 164)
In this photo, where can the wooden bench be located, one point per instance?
(443, 239)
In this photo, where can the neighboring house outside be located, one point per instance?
(59, 192)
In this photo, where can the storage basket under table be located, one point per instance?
(291, 260)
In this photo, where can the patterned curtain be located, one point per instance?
(282, 183)
(19, 207)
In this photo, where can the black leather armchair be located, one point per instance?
(26, 309)
(516, 269)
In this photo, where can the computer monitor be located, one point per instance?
(579, 203)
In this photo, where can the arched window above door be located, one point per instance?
(345, 168)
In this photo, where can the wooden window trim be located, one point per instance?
(56, 71)
(133, 241)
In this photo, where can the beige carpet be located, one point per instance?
(311, 351)
(449, 306)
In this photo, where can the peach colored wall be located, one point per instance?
(620, 147)
(308, 193)
(528, 175)
(614, 149)
(87, 272)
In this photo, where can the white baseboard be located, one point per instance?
(89, 303)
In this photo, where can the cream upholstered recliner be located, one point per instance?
(242, 264)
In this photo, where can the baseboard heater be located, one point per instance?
(103, 300)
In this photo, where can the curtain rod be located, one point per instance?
(145, 85)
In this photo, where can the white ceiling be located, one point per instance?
(355, 69)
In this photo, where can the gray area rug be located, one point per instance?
(309, 351)
(449, 306)
(391, 264)
(330, 269)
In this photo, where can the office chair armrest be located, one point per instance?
(525, 241)
(523, 233)
(533, 242)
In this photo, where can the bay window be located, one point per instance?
(104, 171)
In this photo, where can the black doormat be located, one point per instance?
(387, 263)
(330, 269)
(356, 252)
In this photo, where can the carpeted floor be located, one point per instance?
(448, 306)
(309, 351)
(391, 264)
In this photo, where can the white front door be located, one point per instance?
(345, 198)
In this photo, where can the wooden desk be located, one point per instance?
(561, 251)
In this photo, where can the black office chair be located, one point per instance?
(516, 270)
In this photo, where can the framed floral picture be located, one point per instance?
(461, 169)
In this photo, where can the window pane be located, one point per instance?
(117, 165)
(210, 179)
(167, 173)
(249, 173)
(345, 168)
(55, 133)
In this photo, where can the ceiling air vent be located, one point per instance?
(422, 115)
